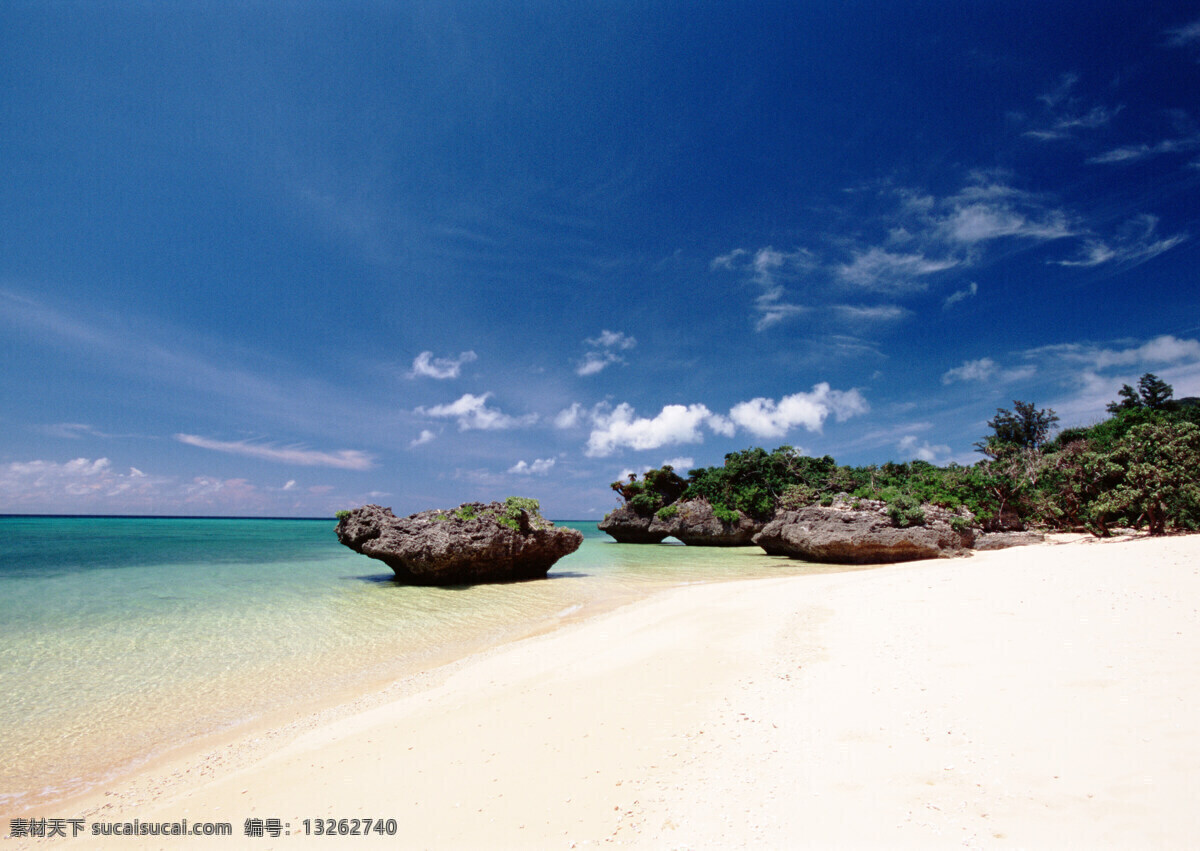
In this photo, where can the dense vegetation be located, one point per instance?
(1139, 468)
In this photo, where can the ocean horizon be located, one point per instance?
(123, 638)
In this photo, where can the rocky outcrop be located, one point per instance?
(693, 522)
(477, 542)
(1004, 540)
(842, 534)
(628, 527)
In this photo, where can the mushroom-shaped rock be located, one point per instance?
(694, 522)
(474, 543)
(628, 527)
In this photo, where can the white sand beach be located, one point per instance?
(1040, 697)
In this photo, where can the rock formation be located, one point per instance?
(693, 522)
(1004, 540)
(477, 542)
(866, 534)
(628, 527)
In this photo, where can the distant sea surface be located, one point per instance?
(122, 638)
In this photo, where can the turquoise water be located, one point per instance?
(122, 638)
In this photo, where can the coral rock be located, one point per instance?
(477, 542)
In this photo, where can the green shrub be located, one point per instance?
(905, 511)
(725, 515)
(667, 512)
(644, 503)
(465, 512)
(342, 515)
(515, 506)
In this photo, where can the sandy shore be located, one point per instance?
(1044, 697)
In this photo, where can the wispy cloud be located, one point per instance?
(871, 313)
(172, 359)
(73, 431)
(1135, 242)
(1165, 349)
(425, 365)
(988, 371)
(1065, 113)
(770, 270)
(880, 270)
(472, 412)
(1134, 153)
(343, 459)
(1184, 36)
(926, 238)
(955, 297)
(604, 351)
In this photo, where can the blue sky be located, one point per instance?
(279, 259)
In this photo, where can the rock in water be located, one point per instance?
(628, 527)
(476, 542)
(842, 535)
(694, 522)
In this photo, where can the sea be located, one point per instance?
(124, 639)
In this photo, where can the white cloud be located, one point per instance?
(604, 351)
(612, 340)
(594, 362)
(539, 467)
(765, 418)
(80, 481)
(472, 412)
(344, 459)
(972, 223)
(291, 485)
(1164, 349)
(569, 417)
(673, 424)
(960, 295)
(923, 450)
(972, 370)
(424, 437)
(987, 370)
(427, 366)
(681, 464)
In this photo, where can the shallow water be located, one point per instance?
(121, 638)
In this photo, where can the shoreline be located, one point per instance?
(1032, 697)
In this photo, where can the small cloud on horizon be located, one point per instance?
(539, 467)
